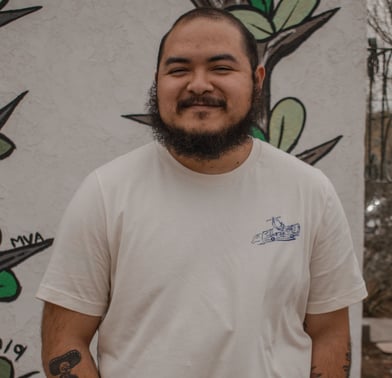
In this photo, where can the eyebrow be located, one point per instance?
(215, 58)
(175, 59)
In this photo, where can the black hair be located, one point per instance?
(250, 44)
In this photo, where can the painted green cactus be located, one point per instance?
(279, 28)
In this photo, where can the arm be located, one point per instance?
(66, 337)
(331, 352)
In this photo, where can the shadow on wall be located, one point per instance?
(279, 31)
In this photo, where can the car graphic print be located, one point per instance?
(278, 232)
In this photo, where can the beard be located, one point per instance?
(202, 145)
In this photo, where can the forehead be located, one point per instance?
(203, 35)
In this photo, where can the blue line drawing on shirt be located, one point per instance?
(278, 232)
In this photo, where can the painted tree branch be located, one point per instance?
(281, 45)
(220, 4)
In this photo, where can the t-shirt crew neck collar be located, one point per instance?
(168, 159)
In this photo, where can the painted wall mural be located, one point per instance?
(23, 247)
(283, 28)
(279, 28)
(7, 146)
(11, 352)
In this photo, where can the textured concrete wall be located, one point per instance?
(86, 63)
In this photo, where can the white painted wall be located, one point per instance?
(88, 62)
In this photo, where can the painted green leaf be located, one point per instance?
(286, 123)
(9, 286)
(3, 3)
(6, 368)
(256, 132)
(292, 12)
(313, 155)
(11, 15)
(266, 6)
(6, 147)
(256, 23)
(7, 110)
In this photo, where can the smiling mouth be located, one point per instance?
(202, 106)
(204, 103)
(201, 110)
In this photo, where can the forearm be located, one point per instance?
(73, 357)
(331, 358)
(66, 337)
(331, 350)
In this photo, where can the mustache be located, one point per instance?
(204, 100)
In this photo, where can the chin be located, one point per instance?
(204, 128)
(202, 123)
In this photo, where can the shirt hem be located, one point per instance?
(71, 303)
(337, 303)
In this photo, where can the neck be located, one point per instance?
(226, 163)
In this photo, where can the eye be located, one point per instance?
(222, 69)
(177, 71)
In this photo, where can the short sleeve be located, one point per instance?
(78, 274)
(336, 279)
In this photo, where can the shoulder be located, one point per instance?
(134, 158)
(129, 166)
(287, 168)
(118, 174)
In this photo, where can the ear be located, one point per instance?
(259, 75)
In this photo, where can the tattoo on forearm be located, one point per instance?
(61, 366)
(314, 374)
(347, 367)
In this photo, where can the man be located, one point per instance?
(207, 253)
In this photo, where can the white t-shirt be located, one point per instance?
(204, 276)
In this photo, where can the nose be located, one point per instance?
(200, 83)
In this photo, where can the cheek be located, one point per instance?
(239, 91)
(167, 96)
(241, 101)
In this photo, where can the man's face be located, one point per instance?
(204, 79)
